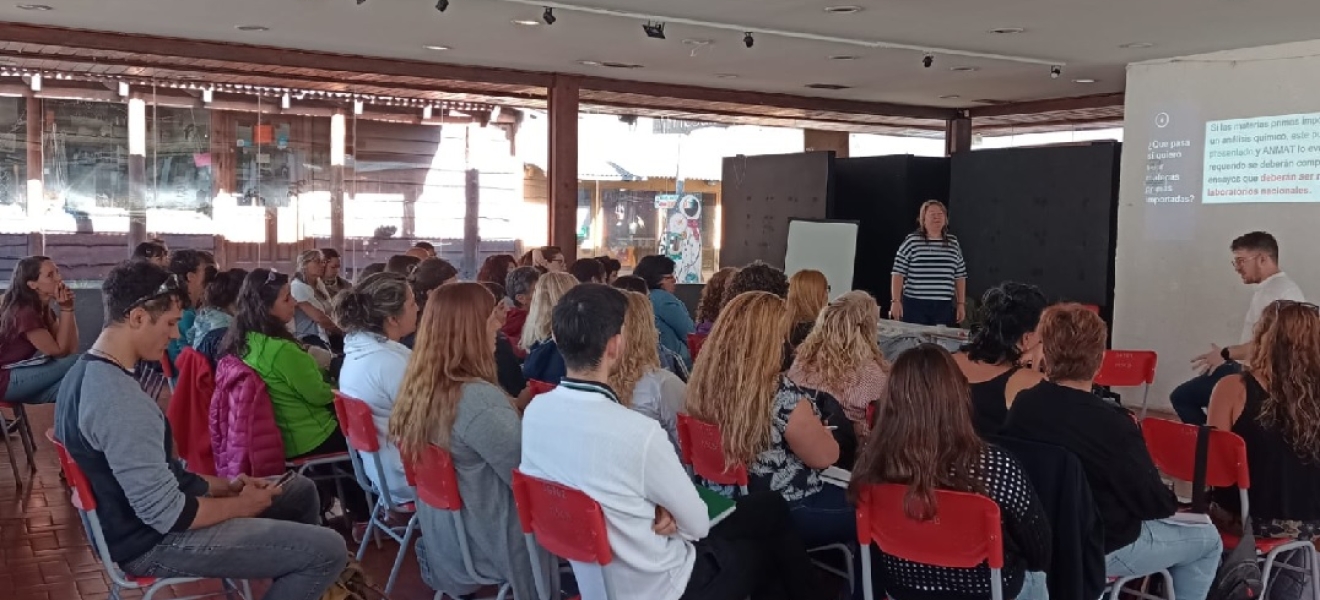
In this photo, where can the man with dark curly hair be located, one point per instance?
(757, 277)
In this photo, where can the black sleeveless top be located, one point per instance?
(1284, 485)
(989, 406)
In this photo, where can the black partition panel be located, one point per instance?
(761, 194)
(1046, 216)
(884, 194)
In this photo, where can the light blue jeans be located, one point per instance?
(1190, 553)
(38, 384)
(284, 544)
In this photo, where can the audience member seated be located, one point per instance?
(495, 269)
(664, 547)
(841, 357)
(611, 267)
(546, 259)
(423, 250)
(158, 519)
(404, 264)
(632, 283)
(375, 315)
(1000, 357)
(924, 439)
(428, 275)
(1274, 405)
(712, 299)
(639, 380)
(769, 423)
(299, 394)
(671, 315)
(153, 252)
(756, 277)
(543, 361)
(311, 320)
(1130, 496)
(808, 293)
(37, 345)
(217, 311)
(588, 270)
(520, 286)
(371, 269)
(194, 270)
(450, 399)
(334, 281)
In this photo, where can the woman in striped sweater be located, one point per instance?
(929, 278)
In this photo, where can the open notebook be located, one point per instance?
(717, 506)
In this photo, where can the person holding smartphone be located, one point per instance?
(37, 343)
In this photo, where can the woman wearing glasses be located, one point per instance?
(671, 315)
(37, 344)
(311, 321)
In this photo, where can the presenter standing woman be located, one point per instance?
(929, 283)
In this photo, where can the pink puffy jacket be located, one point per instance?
(244, 435)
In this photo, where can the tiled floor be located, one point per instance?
(45, 556)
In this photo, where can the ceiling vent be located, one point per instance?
(828, 86)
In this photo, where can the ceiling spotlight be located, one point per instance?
(654, 30)
(928, 60)
(1087, 80)
(441, 5)
(748, 40)
(549, 16)
(1056, 71)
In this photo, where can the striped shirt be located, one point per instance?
(929, 267)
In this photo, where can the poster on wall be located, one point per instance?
(680, 239)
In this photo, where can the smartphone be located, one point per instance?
(285, 478)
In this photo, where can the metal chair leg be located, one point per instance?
(403, 551)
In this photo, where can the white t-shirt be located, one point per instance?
(303, 325)
(1276, 287)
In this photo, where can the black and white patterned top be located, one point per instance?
(929, 267)
(777, 468)
(1027, 543)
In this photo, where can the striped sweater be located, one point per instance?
(929, 267)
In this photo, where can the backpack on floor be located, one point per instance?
(353, 584)
(1238, 577)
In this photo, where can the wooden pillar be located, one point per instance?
(338, 138)
(34, 203)
(958, 135)
(471, 223)
(137, 171)
(815, 140)
(563, 109)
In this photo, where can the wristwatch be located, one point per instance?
(1223, 353)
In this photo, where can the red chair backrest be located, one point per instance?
(702, 446)
(1172, 446)
(965, 532)
(539, 387)
(435, 479)
(82, 489)
(1127, 368)
(356, 423)
(694, 342)
(166, 367)
(565, 521)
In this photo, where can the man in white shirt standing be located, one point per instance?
(1256, 260)
(579, 435)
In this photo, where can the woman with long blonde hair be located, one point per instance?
(639, 380)
(543, 362)
(808, 293)
(841, 356)
(449, 398)
(767, 422)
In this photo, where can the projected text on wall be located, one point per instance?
(1262, 159)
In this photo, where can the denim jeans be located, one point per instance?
(929, 312)
(1034, 586)
(285, 543)
(38, 384)
(1190, 553)
(1192, 397)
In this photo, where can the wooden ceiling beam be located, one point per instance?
(1045, 106)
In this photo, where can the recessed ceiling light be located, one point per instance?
(437, 48)
(844, 57)
(964, 69)
(252, 28)
(1007, 30)
(620, 65)
(950, 97)
(589, 63)
(39, 7)
(843, 10)
(1083, 81)
(726, 76)
(1137, 45)
(827, 86)
(696, 42)
(526, 23)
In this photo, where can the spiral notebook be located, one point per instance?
(717, 507)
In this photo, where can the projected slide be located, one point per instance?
(1264, 159)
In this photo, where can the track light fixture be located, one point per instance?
(654, 30)
(549, 16)
(441, 5)
(928, 60)
(1056, 71)
(748, 40)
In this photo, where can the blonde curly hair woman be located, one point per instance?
(543, 361)
(639, 380)
(841, 356)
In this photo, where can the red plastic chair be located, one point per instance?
(1172, 447)
(539, 387)
(24, 437)
(966, 533)
(701, 445)
(1129, 368)
(437, 486)
(694, 343)
(564, 521)
(85, 501)
(358, 426)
